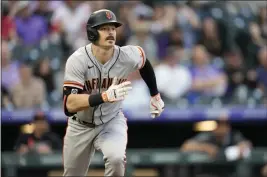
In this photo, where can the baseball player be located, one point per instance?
(95, 84)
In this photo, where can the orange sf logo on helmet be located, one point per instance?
(108, 15)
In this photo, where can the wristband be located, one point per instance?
(95, 100)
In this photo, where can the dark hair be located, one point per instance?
(25, 63)
(5, 9)
(39, 116)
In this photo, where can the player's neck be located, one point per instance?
(102, 54)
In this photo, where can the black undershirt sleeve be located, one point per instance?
(148, 75)
(94, 100)
(66, 92)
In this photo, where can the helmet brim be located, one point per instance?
(117, 24)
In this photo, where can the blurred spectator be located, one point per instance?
(172, 38)
(124, 12)
(121, 35)
(73, 36)
(96, 5)
(9, 68)
(189, 22)
(210, 37)
(31, 28)
(43, 9)
(262, 70)
(139, 95)
(208, 81)
(236, 73)
(43, 70)
(30, 92)
(255, 43)
(41, 140)
(220, 138)
(250, 44)
(176, 38)
(143, 38)
(174, 80)
(139, 12)
(223, 141)
(8, 28)
(261, 19)
(163, 18)
(6, 101)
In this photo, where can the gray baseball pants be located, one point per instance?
(81, 141)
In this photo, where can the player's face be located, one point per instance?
(107, 35)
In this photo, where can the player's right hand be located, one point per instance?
(116, 92)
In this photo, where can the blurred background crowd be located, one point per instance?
(203, 52)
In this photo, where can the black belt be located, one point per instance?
(91, 125)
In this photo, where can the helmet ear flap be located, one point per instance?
(92, 34)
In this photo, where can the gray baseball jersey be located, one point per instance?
(85, 72)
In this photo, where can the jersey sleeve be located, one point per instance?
(74, 73)
(138, 56)
(73, 80)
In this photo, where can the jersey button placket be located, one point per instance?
(104, 71)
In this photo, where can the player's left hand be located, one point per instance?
(156, 106)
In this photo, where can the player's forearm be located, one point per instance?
(77, 102)
(148, 75)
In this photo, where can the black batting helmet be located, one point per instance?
(98, 18)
